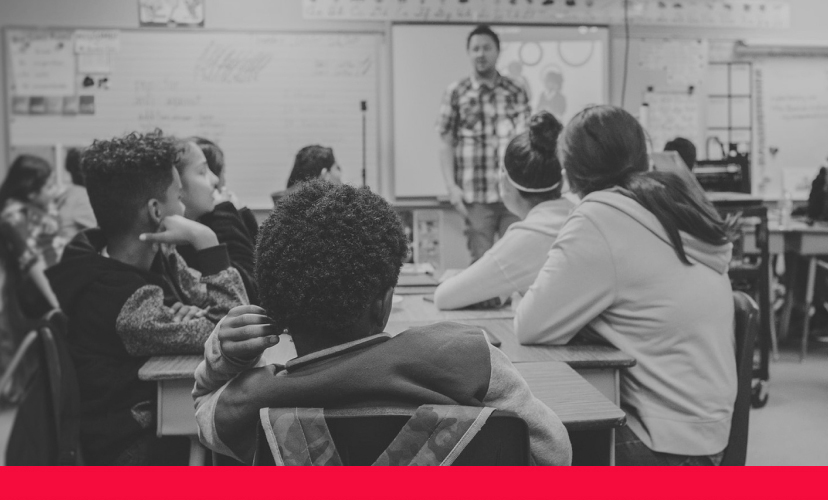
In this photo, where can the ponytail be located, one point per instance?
(678, 207)
(605, 146)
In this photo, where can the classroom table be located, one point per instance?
(589, 417)
(600, 363)
(796, 238)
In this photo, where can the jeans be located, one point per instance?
(629, 450)
(486, 219)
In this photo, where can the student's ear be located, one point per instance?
(381, 309)
(326, 175)
(154, 212)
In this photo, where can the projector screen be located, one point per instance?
(427, 58)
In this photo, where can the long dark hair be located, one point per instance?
(310, 162)
(27, 175)
(531, 160)
(605, 146)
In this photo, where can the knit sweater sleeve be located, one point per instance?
(548, 438)
(146, 325)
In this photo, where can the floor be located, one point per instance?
(793, 428)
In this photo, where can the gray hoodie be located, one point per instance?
(613, 268)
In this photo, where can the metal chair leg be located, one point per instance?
(809, 306)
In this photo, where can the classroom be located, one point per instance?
(433, 232)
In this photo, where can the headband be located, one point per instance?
(530, 190)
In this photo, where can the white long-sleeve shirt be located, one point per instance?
(512, 264)
(613, 268)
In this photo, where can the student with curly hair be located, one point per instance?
(327, 262)
(129, 295)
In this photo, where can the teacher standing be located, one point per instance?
(479, 116)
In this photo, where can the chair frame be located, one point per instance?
(334, 416)
(762, 284)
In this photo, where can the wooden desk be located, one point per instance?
(588, 416)
(599, 364)
(414, 308)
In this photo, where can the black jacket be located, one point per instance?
(120, 316)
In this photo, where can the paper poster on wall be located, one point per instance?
(683, 62)
(92, 41)
(42, 63)
(171, 13)
(672, 115)
(722, 13)
(558, 75)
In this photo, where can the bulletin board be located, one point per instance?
(260, 96)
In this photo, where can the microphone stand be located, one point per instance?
(364, 108)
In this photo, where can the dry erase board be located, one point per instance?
(261, 96)
(791, 124)
(427, 58)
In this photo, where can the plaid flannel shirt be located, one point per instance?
(482, 121)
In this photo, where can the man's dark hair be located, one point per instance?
(73, 166)
(324, 253)
(685, 149)
(309, 163)
(483, 29)
(213, 154)
(123, 173)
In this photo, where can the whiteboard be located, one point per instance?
(260, 96)
(791, 99)
(427, 58)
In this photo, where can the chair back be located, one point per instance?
(43, 426)
(29, 429)
(746, 327)
(362, 435)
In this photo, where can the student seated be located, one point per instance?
(30, 222)
(530, 186)
(685, 149)
(129, 295)
(198, 188)
(215, 162)
(328, 259)
(73, 203)
(642, 261)
(312, 162)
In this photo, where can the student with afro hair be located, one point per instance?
(328, 259)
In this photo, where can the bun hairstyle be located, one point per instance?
(531, 159)
(604, 147)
